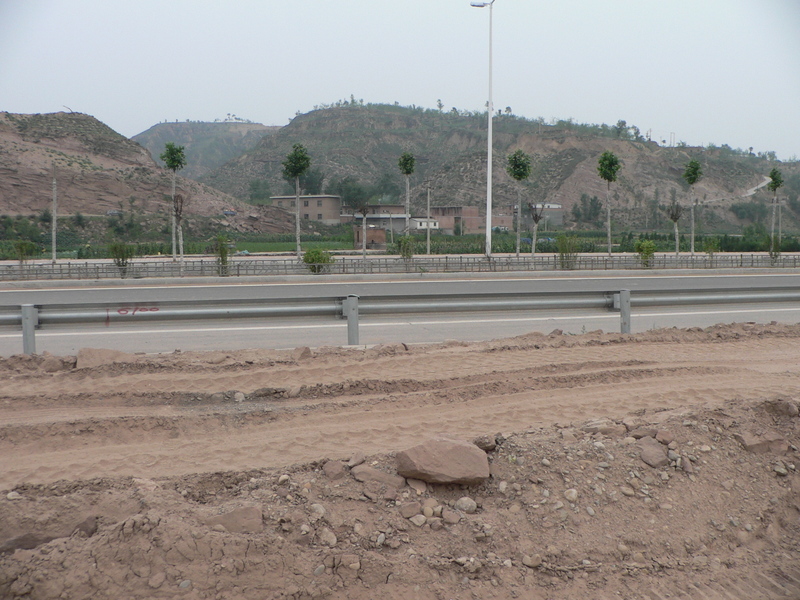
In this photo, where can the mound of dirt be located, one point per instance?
(662, 465)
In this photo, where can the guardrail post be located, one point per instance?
(625, 311)
(30, 320)
(350, 312)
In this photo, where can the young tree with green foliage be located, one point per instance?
(519, 168)
(406, 165)
(776, 182)
(174, 158)
(294, 167)
(692, 175)
(607, 167)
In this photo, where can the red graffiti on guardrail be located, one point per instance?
(136, 309)
(130, 311)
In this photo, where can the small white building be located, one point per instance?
(421, 224)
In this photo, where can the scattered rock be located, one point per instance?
(605, 427)
(780, 469)
(301, 353)
(652, 452)
(571, 494)
(13, 496)
(417, 485)
(317, 511)
(365, 473)
(450, 517)
(334, 470)
(487, 443)
(665, 437)
(466, 504)
(410, 509)
(784, 408)
(532, 561)
(356, 459)
(762, 444)
(239, 397)
(686, 465)
(443, 460)
(641, 432)
(418, 520)
(327, 537)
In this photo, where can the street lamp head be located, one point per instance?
(480, 4)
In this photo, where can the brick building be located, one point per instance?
(324, 208)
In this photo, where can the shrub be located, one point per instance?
(567, 251)
(645, 249)
(405, 246)
(122, 254)
(317, 260)
(221, 251)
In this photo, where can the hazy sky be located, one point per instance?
(719, 71)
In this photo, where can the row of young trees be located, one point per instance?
(609, 165)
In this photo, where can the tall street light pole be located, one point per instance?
(490, 110)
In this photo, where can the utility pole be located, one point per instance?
(428, 228)
(53, 220)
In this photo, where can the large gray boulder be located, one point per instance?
(443, 460)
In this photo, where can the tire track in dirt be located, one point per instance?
(297, 430)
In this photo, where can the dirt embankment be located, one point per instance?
(227, 475)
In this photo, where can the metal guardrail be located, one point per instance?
(344, 265)
(32, 317)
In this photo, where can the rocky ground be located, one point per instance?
(660, 465)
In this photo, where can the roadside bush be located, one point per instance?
(317, 260)
(405, 246)
(645, 249)
(122, 254)
(567, 251)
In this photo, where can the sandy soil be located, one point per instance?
(211, 475)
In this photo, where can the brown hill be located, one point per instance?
(365, 142)
(97, 170)
(208, 145)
